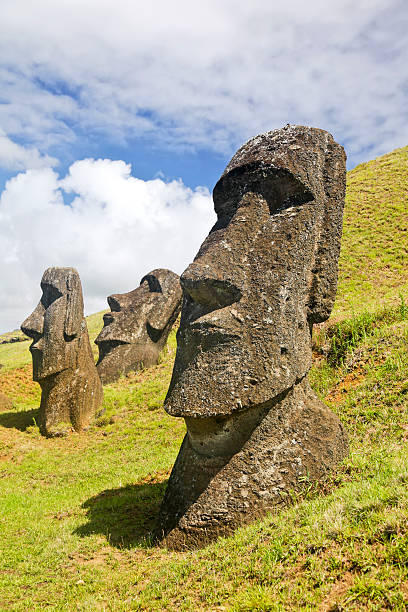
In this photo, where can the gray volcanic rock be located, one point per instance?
(137, 328)
(266, 273)
(62, 358)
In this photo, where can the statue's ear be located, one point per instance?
(324, 276)
(75, 305)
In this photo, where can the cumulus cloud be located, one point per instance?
(14, 156)
(116, 228)
(206, 75)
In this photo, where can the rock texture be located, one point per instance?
(137, 328)
(62, 358)
(265, 274)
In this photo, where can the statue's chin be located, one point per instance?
(224, 436)
(42, 374)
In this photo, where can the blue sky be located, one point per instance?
(164, 94)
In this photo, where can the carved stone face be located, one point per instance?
(136, 329)
(131, 313)
(55, 323)
(265, 273)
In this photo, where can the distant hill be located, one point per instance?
(374, 254)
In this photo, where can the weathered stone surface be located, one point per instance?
(266, 273)
(137, 328)
(62, 358)
(5, 403)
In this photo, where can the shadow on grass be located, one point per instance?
(19, 420)
(126, 516)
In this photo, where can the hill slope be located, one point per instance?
(374, 253)
(76, 514)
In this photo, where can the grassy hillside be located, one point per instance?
(77, 514)
(374, 254)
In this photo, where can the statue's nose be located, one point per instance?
(209, 288)
(116, 302)
(34, 324)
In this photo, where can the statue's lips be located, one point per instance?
(108, 319)
(107, 346)
(35, 349)
(112, 332)
(112, 341)
(205, 330)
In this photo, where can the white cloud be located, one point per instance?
(116, 229)
(14, 156)
(206, 74)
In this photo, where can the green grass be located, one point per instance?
(14, 355)
(374, 253)
(77, 514)
(336, 340)
(95, 324)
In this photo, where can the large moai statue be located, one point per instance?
(63, 363)
(137, 328)
(265, 274)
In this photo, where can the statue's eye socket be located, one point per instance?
(50, 294)
(153, 282)
(279, 187)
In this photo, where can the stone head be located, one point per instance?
(56, 323)
(266, 273)
(141, 315)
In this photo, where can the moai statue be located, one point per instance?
(265, 274)
(63, 363)
(137, 328)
